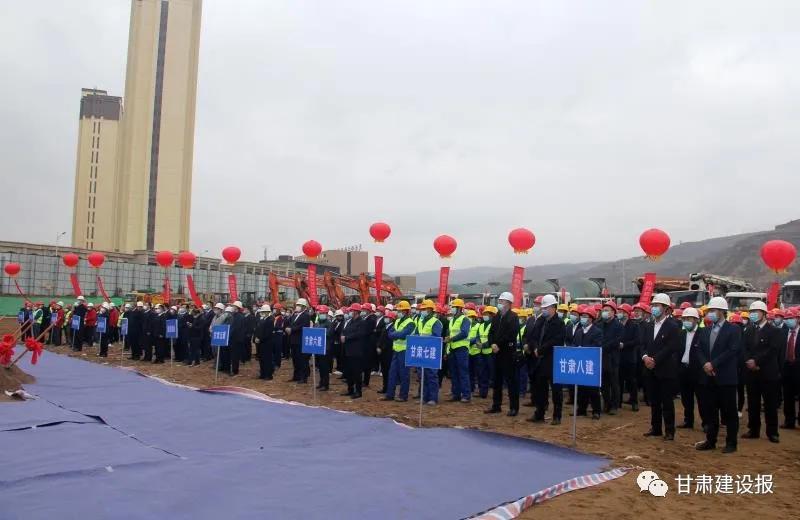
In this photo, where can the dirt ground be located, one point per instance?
(11, 380)
(619, 438)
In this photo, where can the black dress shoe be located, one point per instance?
(653, 433)
(669, 437)
(750, 435)
(357, 395)
(493, 409)
(346, 394)
(704, 446)
(729, 449)
(535, 419)
(635, 407)
(512, 413)
(303, 382)
(611, 411)
(292, 380)
(686, 426)
(323, 389)
(774, 439)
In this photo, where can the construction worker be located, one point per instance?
(503, 340)
(458, 357)
(105, 337)
(486, 358)
(58, 324)
(528, 365)
(38, 318)
(403, 326)
(661, 351)
(562, 311)
(474, 348)
(537, 307)
(429, 325)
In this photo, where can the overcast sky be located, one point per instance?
(586, 121)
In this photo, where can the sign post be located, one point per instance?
(123, 331)
(577, 366)
(171, 334)
(423, 352)
(53, 321)
(102, 325)
(314, 343)
(220, 335)
(76, 327)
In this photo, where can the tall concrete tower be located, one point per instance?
(156, 142)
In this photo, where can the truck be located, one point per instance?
(790, 293)
(697, 288)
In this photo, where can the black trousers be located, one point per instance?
(133, 343)
(104, 340)
(687, 379)
(247, 349)
(265, 362)
(714, 399)
(628, 375)
(162, 349)
(355, 376)
(505, 370)
(542, 385)
(386, 364)
(324, 367)
(147, 347)
(369, 363)
(300, 361)
(88, 335)
(610, 388)
(195, 349)
(57, 336)
(235, 356)
(768, 391)
(587, 395)
(661, 392)
(791, 392)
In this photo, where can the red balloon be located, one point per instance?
(96, 259)
(165, 258)
(187, 259)
(312, 249)
(654, 243)
(778, 255)
(71, 259)
(231, 254)
(521, 239)
(445, 245)
(380, 231)
(12, 269)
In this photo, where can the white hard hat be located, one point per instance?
(140, 304)
(127, 305)
(758, 306)
(106, 305)
(414, 306)
(237, 303)
(219, 306)
(548, 300)
(717, 302)
(301, 301)
(60, 304)
(507, 296)
(390, 307)
(173, 308)
(230, 309)
(338, 312)
(690, 312)
(81, 299)
(265, 308)
(112, 305)
(206, 306)
(661, 298)
(90, 305)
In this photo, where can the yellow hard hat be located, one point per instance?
(573, 307)
(519, 312)
(458, 302)
(563, 307)
(744, 314)
(403, 306)
(427, 304)
(490, 309)
(471, 314)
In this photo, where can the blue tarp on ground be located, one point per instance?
(150, 450)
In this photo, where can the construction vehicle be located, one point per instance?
(153, 298)
(740, 301)
(334, 285)
(790, 293)
(698, 288)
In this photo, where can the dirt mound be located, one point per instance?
(12, 380)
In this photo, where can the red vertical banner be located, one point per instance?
(167, 289)
(563, 295)
(233, 292)
(76, 286)
(378, 278)
(444, 276)
(647, 288)
(516, 284)
(312, 284)
(772, 295)
(193, 291)
(21, 293)
(102, 289)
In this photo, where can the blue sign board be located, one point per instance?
(123, 327)
(577, 366)
(76, 323)
(220, 335)
(102, 324)
(21, 317)
(424, 352)
(172, 329)
(314, 340)
(54, 318)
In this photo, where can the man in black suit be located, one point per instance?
(613, 332)
(661, 348)
(688, 369)
(294, 330)
(629, 357)
(355, 337)
(133, 341)
(717, 356)
(791, 371)
(503, 339)
(764, 345)
(548, 331)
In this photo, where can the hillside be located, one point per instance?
(736, 255)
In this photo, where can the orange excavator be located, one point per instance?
(333, 287)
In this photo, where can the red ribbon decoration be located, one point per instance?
(772, 295)
(516, 285)
(167, 289)
(35, 348)
(19, 289)
(7, 349)
(378, 278)
(647, 288)
(102, 289)
(76, 286)
(193, 291)
(444, 276)
(312, 284)
(233, 293)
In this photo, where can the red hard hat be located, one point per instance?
(277, 306)
(588, 310)
(677, 313)
(391, 315)
(322, 309)
(685, 305)
(779, 312)
(626, 308)
(736, 318)
(471, 306)
(381, 308)
(538, 299)
(610, 303)
(597, 307)
(355, 307)
(643, 307)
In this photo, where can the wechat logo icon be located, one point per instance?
(649, 481)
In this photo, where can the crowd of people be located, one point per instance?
(707, 356)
